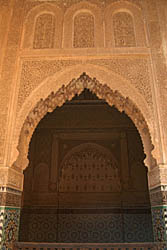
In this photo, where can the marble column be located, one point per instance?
(10, 203)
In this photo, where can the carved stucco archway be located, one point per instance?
(64, 93)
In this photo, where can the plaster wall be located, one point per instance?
(25, 70)
(46, 46)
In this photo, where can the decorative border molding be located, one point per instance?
(4, 189)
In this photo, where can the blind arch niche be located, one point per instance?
(83, 35)
(124, 33)
(44, 31)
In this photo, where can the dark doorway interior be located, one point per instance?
(86, 180)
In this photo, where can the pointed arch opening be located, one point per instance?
(66, 93)
(86, 180)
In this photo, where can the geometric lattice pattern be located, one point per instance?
(86, 228)
(138, 228)
(85, 169)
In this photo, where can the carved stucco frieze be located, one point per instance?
(3, 176)
(156, 33)
(161, 70)
(2, 132)
(15, 179)
(34, 72)
(69, 8)
(153, 178)
(9, 58)
(135, 70)
(67, 4)
(163, 94)
(76, 86)
(4, 3)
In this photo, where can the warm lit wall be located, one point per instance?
(46, 45)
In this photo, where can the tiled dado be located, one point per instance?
(85, 226)
(158, 198)
(88, 246)
(10, 201)
(9, 225)
(159, 220)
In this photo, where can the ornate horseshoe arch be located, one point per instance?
(66, 93)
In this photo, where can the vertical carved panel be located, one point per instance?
(83, 31)
(124, 34)
(136, 156)
(0, 19)
(43, 144)
(44, 32)
(42, 159)
(41, 178)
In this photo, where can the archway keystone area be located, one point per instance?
(66, 93)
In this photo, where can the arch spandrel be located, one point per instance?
(52, 93)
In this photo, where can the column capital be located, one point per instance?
(157, 177)
(11, 186)
(11, 178)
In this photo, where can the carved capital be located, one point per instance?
(157, 176)
(11, 178)
(158, 196)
